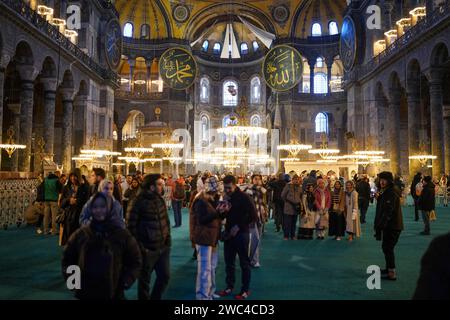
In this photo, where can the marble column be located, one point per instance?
(49, 113)
(387, 15)
(119, 138)
(394, 129)
(132, 64)
(311, 76)
(67, 102)
(437, 122)
(80, 121)
(447, 140)
(15, 110)
(27, 76)
(148, 64)
(414, 124)
(2, 82)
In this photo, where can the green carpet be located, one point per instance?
(30, 265)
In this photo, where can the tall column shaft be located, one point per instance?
(311, 78)
(394, 130)
(329, 67)
(26, 123)
(2, 81)
(67, 130)
(447, 143)
(49, 114)
(437, 124)
(413, 129)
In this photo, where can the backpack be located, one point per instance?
(179, 191)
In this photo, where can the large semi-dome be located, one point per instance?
(318, 17)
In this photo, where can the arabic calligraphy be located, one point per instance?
(178, 68)
(282, 68)
(113, 44)
(348, 44)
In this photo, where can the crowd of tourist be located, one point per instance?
(119, 230)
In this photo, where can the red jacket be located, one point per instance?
(318, 197)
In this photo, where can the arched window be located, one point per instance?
(204, 90)
(128, 30)
(145, 31)
(321, 123)
(255, 121)
(320, 83)
(316, 30)
(255, 93)
(333, 28)
(216, 48)
(205, 129)
(205, 46)
(319, 62)
(230, 93)
(255, 46)
(244, 48)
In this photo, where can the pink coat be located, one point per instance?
(318, 197)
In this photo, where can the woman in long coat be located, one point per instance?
(307, 214)
(74, 196)
(323, 204)
(353, 226)
(337, 218)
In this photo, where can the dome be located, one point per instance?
(143, 19)
(316, 17)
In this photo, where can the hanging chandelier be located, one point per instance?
(324, 152)
(10, 146)
(239, 127)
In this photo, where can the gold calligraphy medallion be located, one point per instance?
(178, 68)
(282, 68)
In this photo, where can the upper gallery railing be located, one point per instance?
(32, 17)
(407, 38)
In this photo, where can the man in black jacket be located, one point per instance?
(363, 189)
(240, 215)
(427, 202)
(150, 225)
(277, 187)
(388, 221)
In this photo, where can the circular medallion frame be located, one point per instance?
(193, 63)
(348, 44)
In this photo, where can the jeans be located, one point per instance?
(289, 225)
(426, 221)
(255, 243)
(363, 206)
(158, 261)
(176, 207)
(207, 258)
(238, 245)
(50, 213)
(390, 239)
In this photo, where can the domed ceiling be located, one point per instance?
(184, 19)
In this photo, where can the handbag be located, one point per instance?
(433, 215)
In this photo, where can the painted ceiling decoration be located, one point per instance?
(188, 19)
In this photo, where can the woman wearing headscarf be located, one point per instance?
(337, 217)
(74, 196)
(322, 206)
(108, 256)
(353, 226)
(206, 225)
(307, 215)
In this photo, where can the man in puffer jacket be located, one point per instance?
(150, 225)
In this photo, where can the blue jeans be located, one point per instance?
(176, 207)
(207, 257)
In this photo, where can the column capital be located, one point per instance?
(49, 84)
(435, 75)
(132, 62)
(67, 94)
(4, 60)
(27, 72)
(394, 96)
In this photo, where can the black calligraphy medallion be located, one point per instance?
(113, 44)
(348, 44)
(178, 68)
(282, 68)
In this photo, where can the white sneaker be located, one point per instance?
(215, 296)
(338, 239)
(257, 265)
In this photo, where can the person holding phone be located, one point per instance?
(240, 213)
